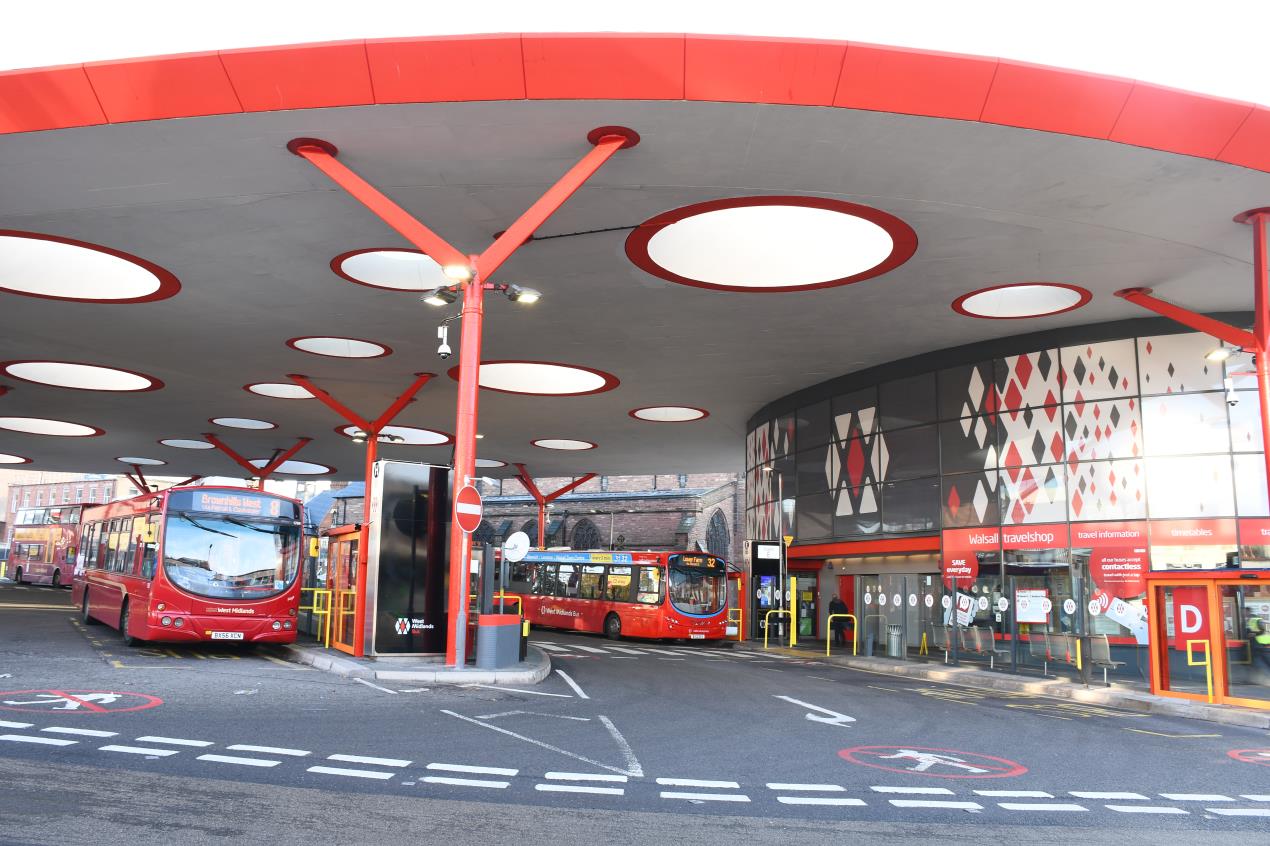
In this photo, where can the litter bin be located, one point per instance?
(894, 641)
(498, 641)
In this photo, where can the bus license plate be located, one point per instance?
(695, 636)
(227, 635)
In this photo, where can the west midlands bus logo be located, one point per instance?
(403, 625)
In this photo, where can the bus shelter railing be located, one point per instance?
(767, 623)
(318, 608)
(855, 633)
(739, 620)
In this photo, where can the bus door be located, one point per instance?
(341, 555)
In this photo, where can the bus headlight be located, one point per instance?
(161, 607)
(167, 621)
(179, 622)
(277, 626)
(287, 625)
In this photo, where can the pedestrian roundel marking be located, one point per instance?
(933, 762)
(76, 701)
(1251, 756)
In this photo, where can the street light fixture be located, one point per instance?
(441, 296)
(1219, 354)
(521, 294)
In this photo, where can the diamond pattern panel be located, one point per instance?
(1031, 436)
(1106, 490)
(1171, 364)
(1185, 424)
(1245, 422)
(1029, 381)
(970, 499)
(1033, 495)
(1103, 430)
(1250, 485)
(1098, 371)
(1192, 486)
(855, 464)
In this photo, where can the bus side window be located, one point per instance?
(145, 529)
(567, 583)
(545, 579)
(617, 586)
(116, 541)
(521, 578)
(590, 583)
(650, 585)
(88, 544)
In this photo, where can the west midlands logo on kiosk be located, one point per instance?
(406, 625)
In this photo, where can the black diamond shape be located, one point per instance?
(1084, 433)
(1102, 363)
(1112, 376)
(1038, 447)
(1079, 370)
(1050, 478)
(1115, 415)
(1069, 425)
(1171, 369)
(1082, 485)
(1043, 364)
(1027, 416)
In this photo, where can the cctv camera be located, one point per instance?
(443, 334)
(444, 350)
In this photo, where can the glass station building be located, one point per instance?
(1063, 475)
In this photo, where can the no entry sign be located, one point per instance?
(468, 508)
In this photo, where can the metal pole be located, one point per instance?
(464, 458)
(1261, 330)
(363, 551)
(612, 518)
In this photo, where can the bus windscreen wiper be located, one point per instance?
(199, 525)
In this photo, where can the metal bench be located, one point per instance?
(1100, 655)
(979, 640)
(1038, 646)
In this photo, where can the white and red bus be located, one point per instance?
(43, 549)
(636, 594)
(192, 564)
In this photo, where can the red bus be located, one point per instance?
(635, 594)
(43, 550)
(192, 564)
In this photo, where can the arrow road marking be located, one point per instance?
(833, 718)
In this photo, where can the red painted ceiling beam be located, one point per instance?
(1240, 338)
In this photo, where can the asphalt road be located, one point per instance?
(625, 742)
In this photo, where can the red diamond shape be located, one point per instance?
(1051, 411)
(1056, 447)
(1097, 412)
(855, 462)
(1077, 503)
(1017, 513)
(1148, 347)
(954, 500)
(1111, 477)
(1012, 456)
(1112, 498)
(1080, 403)
(1023, 370)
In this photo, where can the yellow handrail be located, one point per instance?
(855, 633)
(1207, 663)
(740, 621)
(318, 610)
(767, 621)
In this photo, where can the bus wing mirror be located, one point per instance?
(314, 547)
(150, 533)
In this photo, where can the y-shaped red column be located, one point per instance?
(542, 499)
(262, 472)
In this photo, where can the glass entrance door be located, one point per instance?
(342, 555)
(1245, 610)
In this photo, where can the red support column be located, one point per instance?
(139, 480)
(542, 499)
(261, 472)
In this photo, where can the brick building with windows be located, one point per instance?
(32, 489)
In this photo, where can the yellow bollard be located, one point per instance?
(793, 617)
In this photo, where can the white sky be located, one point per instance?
(1215, 47)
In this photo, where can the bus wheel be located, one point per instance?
(613, 627)
(83, 612)
(57, 579)
(17, 576)
(128, 640)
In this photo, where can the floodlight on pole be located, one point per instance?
(1218, 354)
(521, 294)
(442, 296)
(457, 272)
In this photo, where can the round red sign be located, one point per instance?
(76, 701)
(1251, 756)
(468, 508)
(933, 762)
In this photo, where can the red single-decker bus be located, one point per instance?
(192, 564)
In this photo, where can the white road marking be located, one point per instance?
(696, 782)
(351, 773)
(377, 687)
(833, 718)
(1240, 812)
(586, 777)
(139, 750)
(362, 759)
(1016, 794)
(672, 659)
(464, 768)
(820, 800)
(1255, 797)
(1145, 809)
(706, 797)
(268, 750)
(628, 651)
(1094, 794)
(466, 782)
(552, 647)
(11, 725)
(572, 684)
(518, 690)
(824, 787)
(84, 732)
(174, 741)
(246, 762)
(1041, 806)
(591, 649)
(1197, 797)
(660, 651)
(413, 690)
(580, 788)
(929, 791)
(47, 741)
(935, 803)
(632, 764)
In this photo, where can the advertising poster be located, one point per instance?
(1118, 559)
(1032, 605)
(962, 551)
(1190, 618)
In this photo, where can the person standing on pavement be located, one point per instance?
(838, 626)
(1259, 635)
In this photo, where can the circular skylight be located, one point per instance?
(410, 435)
(669, 413)
(490, 462)
(562, 443)
(148, 462)
(541, 378)
(84, 377)
(182, 443)
(43, 426)
(6, 458)
(339, 347)
(771, 244)
(393, 269)
(242, 423)
(1025, 299)
(279, 390)
(295, 468)
(55, 268)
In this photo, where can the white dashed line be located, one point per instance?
(1094, 794)
(267, 750)
(620, 779)
(1040, 806)
(589, 649)
(11, 725)
(464, 768)
(518, 690)
(1016, 794)
(695, 782)
(572, 684)
(1197, 797)
(361, 759)
(627, 651)
(935, 803)
(1240, 812)
(821, 787)
(139, 750)
(84, 732)
(925, 791)
(351, 773)
(174, 741)
(245, 762)
(705, 797)
(551, 647)
(466, 782)
(1145, 809)
(1255, 797)
(47, 741)
(580, 788)
(660, 651)
(376, 687)
(837, 801)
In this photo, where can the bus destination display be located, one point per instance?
(242, 505)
